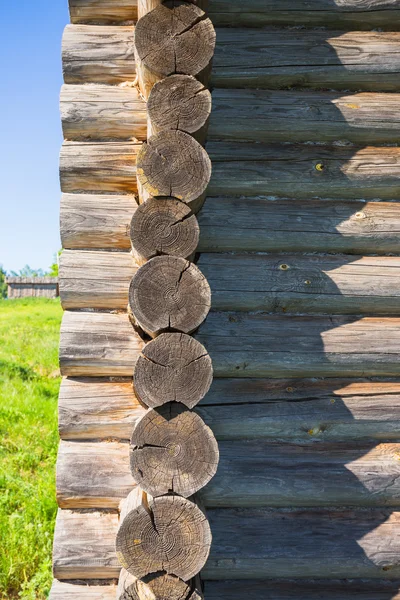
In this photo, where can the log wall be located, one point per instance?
(290, 239)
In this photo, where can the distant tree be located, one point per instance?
(27, 271)
(53, 271)
(3, 285)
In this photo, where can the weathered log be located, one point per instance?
(154, 587)
(163, 226)
(102, 112)
(170, 534)
(246, 224)
(95, 279)
(172, 163)
(98, 344)
(251, 473)
(169, 294)
(252, 58)
(257, 543)
(289, 589)
(350, 14)
(91, 167)
(173, 368)
(328, 409)
(304, 170)
(306, 284)
(96, 221)
(145, 6)
(98, 54)
(179, 102)
(103, 11)
(173, 451)
(274, 346)
(175, 37)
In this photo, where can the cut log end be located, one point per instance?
(154, 587)
(173, 368)
(169, 294)
(173, 451)
(172, 535)
(163, 226)
(175, 37)
(172, 163)
(179, 102)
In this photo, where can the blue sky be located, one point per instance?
(30, 130)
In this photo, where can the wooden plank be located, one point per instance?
(329, 409)
(250, 474)
(96, 221)
(243, 345)
(93, 167)
(252, 543)
(102, 11)
(359, 589)
(350, 14)
(98, 344)
(258, 58)
(98, 54)
(84, 545)
(310, 225)
(245, 224)
(102, 112)
(325, 284)
(95, 279)
(304, 170)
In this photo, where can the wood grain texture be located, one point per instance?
(251, 473)
(302, 410)
(243, 345)
(93, 167)
(304, 170)
(253, 543)
(102, 11)
(245, 224)
(257, 58)
(96, 111)
(359, 589)
(95, 279)
(98, 344)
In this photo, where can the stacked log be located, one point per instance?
(164, 538)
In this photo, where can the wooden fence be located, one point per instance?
(24, 287)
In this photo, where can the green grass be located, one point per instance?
(29, 382)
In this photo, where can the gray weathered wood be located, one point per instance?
(304, 170)
(93, 167)
(98, 344)
(251, 473)
(145, 6)
(95, 279)
(254, 543)
(305, 589)
(96, 221)
(329, 409)
(244, 345)
(96, 111)
(258, 58)
(246, 224)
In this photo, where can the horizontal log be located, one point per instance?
(103, 111)
(250, 474)
(267, 345)
(102, 11)
(96, 221)
(252, 543)
(359, 589)
(245, 224)
(98, 344)
(95, 279)
(325, 284)
(303, 170)
(258, 58)
(350, 14)
(329, 409)
(93, 167)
